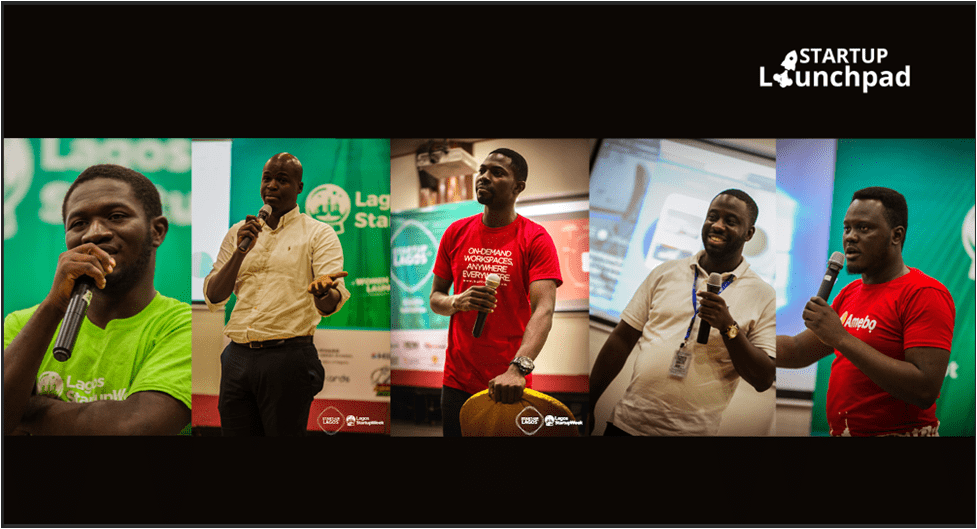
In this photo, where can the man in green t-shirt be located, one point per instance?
(129, 371)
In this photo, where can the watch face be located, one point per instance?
(524, 364)
(733, 331)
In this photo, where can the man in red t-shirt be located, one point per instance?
(524, 257)
(892, 338)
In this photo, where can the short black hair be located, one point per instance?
(750, 204)
(520, 169)
(143, 189)
(896, 211)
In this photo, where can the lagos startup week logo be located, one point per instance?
(838, 67)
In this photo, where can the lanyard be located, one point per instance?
(695, 307)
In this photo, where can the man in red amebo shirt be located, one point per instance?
(523, 255)
(892, 339)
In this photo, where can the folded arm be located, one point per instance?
(142, 413)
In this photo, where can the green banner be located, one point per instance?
(36, 175)
(937, 179)
(346, 184)
(414, 247)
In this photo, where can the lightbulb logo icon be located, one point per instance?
(329, 203)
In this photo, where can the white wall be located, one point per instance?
(556, 167)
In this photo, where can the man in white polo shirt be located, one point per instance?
(680, 386)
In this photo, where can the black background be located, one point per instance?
(480, 70)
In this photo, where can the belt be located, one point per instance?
(275, 343)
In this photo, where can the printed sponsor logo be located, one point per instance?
(380, 378)
(329, 203)
(50, 383)
(851, 322)
(75, 390)
(353, 420)
(551, 420)
(369, 219)
(412, 249)
(529, 420)
(330, 420)
(373, 286)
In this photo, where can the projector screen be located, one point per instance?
(648, 200)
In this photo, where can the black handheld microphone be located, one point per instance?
(262, 213)
(831, 274)
(491, 280)
(81, 296)
(713, 285)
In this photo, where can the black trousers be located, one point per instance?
(451, 402)
(268, 391)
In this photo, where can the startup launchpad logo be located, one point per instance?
(839, 68)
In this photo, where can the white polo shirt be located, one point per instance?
(658, 404)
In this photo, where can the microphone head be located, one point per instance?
(836, 261)
(264, 211)
(715, 279)
(492, 280)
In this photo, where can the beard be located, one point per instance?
(485, 199)
(726, 251)
(729, 248)
(125, 277)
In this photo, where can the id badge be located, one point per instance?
(680, 363)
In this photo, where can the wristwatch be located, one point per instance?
(524, 364)
(730, 331)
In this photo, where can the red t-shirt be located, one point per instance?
(519, 253)
(914, 310)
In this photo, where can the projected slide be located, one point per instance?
(648, 200)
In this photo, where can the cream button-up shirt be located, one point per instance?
(658, 404)
(272, 286)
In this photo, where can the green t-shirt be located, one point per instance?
(147, 352)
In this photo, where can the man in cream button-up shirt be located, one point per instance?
(680, 386)
(286, 279)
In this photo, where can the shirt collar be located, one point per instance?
(738, 271)
(288, 217)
